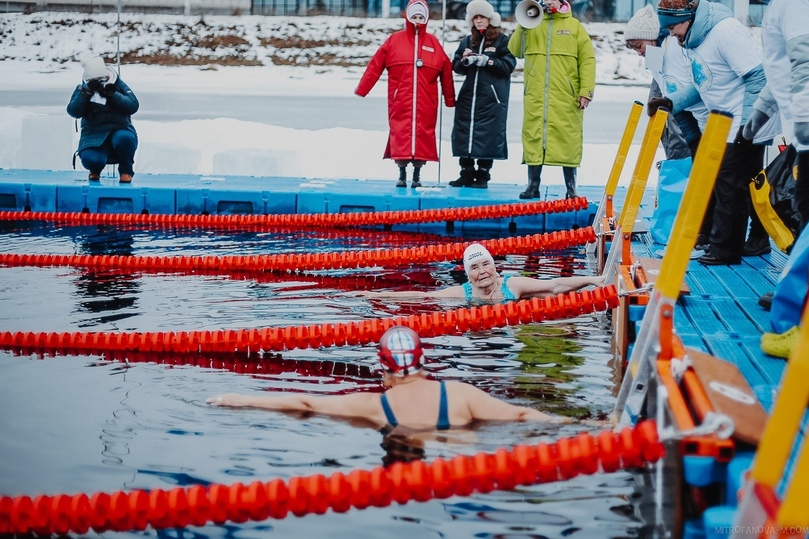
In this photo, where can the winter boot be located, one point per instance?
(482, 178)
(402, 177)
(416, 177)
(533, 182)
(570, 182)
(466, 179)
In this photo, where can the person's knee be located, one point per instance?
(92, 160)
(124, 141)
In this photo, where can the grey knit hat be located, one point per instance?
(643, 25)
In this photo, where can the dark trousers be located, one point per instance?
(802, 188)
(732, 193)
(119, 148)
(469, 162)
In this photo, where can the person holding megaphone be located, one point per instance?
(481, 109)
(559, 77)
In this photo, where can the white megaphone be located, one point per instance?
(528, 13)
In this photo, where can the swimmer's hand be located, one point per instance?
(232, 400)
(559, 420)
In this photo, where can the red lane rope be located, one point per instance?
(402, 482)
(309, 261)
(429, 324)
(328, 220)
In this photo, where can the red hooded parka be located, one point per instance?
(415, 61)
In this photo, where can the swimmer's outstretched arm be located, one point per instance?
(526, 287)
(364, 405)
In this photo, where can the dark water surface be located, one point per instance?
(88, 423)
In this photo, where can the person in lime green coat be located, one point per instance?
(560, 77)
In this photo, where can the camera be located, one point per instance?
(469, 60)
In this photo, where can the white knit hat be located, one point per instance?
(94, 68)
(417, 8)
(643, 25)
(475, 253)
(479, 7)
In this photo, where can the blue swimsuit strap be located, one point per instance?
(443, 410)
(508, 295)
(389, 415)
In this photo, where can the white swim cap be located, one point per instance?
(475, 253)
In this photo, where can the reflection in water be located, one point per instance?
(154, 423)
(108, 291)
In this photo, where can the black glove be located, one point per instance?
(94, 85)
(740, 140)
(107, 89)
(85, 90)
(657, 102)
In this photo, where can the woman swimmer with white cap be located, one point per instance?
(484, 284)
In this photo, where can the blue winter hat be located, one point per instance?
(671, 12)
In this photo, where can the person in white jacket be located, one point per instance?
(684, 129)
(785, 42)
(727, 75)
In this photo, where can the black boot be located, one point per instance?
(466, 179)
(402, 177)
(570, 182)
(482, 177)
(416, 177)
(802, 188)
(533, 182)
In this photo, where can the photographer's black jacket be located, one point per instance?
(99, 121)
(481, 108)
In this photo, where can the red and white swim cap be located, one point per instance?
(400, 351)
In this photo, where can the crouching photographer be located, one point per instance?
(105, 104)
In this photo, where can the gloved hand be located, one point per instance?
(85, 90)
(754, 124)
(657, 102)
(481, 60)
(740, 139)
(107, 89)
(94, 85)
(470, 60)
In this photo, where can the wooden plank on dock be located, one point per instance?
(731, 395)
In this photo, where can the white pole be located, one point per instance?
(187, 7)
(118, 42)
(441, 109)
(385, 9)
(741, 10)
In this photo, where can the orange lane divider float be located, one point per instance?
(308, 371)
(429, 324)
(309, 261)
(402, 482)
(328, 220)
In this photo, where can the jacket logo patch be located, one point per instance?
(563, 32)
(490, 49)
(428, 49)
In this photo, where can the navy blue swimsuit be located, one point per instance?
(443, 410)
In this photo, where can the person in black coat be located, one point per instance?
(105, 105)
(481, 109)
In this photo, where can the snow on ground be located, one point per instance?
(324, 58)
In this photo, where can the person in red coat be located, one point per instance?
(415, 61)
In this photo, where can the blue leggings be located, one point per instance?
(119, 147)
